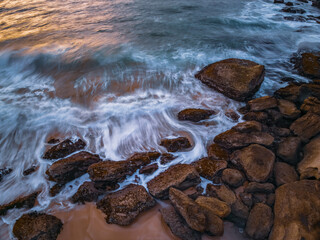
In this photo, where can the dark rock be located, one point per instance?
(293, 10)
(316, 3)
(284, 173)
(288, 150)
(194, 192)
(310, 65)
(176, 144)
(53, 141)
(124, 206)
(56, 189)
(248, 127)
(278, 1)
(181, 176)
(231, 114)
(288, 109)
(309, 90)
(149, 169)
(4, 172)
(311, 104)
(259, 198)
(297, 211)
(194, 114)
(260, 222)
(221, 192)
(246, 198)
(64, 149)
(296, 18)
(262, 103)
(208, 167)
(254, 187)
(290, 92)
(240, 210)
(256, 116)
(217, 152)
(274, 116)
(214, 206)
(256, 161)
(86, 193)
(40, 226)
(30, 170)
(270, 199)
(289, 4)
(166, 158)
(21, 202)
(236, 78)
(214, 224)
(232, 177)
(280, 132)
(70, 168)
(306, 126)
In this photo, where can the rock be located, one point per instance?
(124, 206)
(30, 170)
(221, 192)
(214, 205)
(288, 150)
(64, 149)
(56, 189)
(306, 126)
(284, 173)
(231, 114)
(278, 1)
(232, 177)
(259, 198)
(208, 168)
(21, 202)
(188, 209)
(270, 199)
(70, 168)
(297, 211)
(248, 127)
(166, 158)
(4, 172)
(246, 198)
(217, 152)
(240, 211)
(254, 187)
(293, 10)
(274, 116)
(214, 224)
(311, 104)
(233, 139)
(194, 192)
(262, 103)
(310, 65)
(290, 92)
(176, 144)
(309, 167)
(289, 4)
(236, 78)
(288, 109)
(256, 116)
(53, 141)
(38, 226)
(309, 90)
(86, 193)
(260, 222)
(194, 114)
(177, 225)
(149, 169)
(256, 161)
(280, 132)
(180, 176)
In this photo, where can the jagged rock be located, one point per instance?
(21, 202)
(293, 10)
(176, 144)
(311, 104)
(232, 177)
(310, 65)
(262, 103)
(231, 114)
(260, 222)
(288, 109)
(236, 78)
(177, 225)
(217, 152)
(208, 167)
(166, 158)
(181, 176)
(306, 126)
(284, 173)
(194, 114)
(256, 116)
(30, 170)
(124, 206)
(40, 226)
(256, 161)
(248, 127)
(288, 150)
(64, 149)
(254, 187)
(86, 193)
(149, 169)
(290, 93)
(214, 205)
(221, 192)
(297, 211)
(4, 172)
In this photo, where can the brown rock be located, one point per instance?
(166, 158)
(221, 192)
(214, 224)
(86, 193)
(288, 109)
(262, 103)
(124, 206)
(290, 92)
(236, 78)
(4, 172)
(64, 149)
(232, 177)
(288, 150)
(310, 65)
(270, 199)
(259, 198)
(217, 152)
(311, 104)
(176, 144)
(30, 170)
(231, 114)
(256, 116)
(256, 161)
(214, 206)
(240, 210)
(254, 187)
(246, 198)
(56, 189)
(306, 126)
(284, 173)
(194, 114)
(248, 127)
(208, 167)
(281, 132)
(181, 176)
(260, 222)
(309, 90)
(149, 169)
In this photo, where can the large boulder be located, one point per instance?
(214, 205)
(232, 177)
(289, 149)
(256, 161)
(238, 79)
(311, 104)
(221, 192)
(217, 152)
(284, 173)
(262, 103)
(288, 109)
(176, 144)
(194, 114)
(248, 127)
(64, 149)
(72, 167)
(180, 176)
(290, 93)
(38, 226)
(124, 206)
(209, 168)
(310, 65)
(306, 126)
(297, 211)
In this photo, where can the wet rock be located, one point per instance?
(4, 172)
(56, 189)
(231, 114)
(21, 202)
(280, 132)
(293, 10)
(86, 193)
(30, 170)
(124, 206)
(262, 103)
(248, 127)
(64, 149)
(232, 177)
(256, 116)
(149, 169)
(177, 225)
(256, 161)
(236, 78)
(309, 90)
(309, 167)
(180, 176)
(278, 1)
(166, 158)
(194, 114)
(306, 126)
(208, 168)
(290, 92)
(40, 226)
(53, 141)
(217, 152)
(284, 173)
(260, 222)
(72, 167)
(310, 65)
(288, 150)
(311, 104)
(176, 144)
(288, 109)
(221, 192)
(254, 187)
(233, 139)
(289, 4)
(188, 209)
(297, 211)
(214, 205)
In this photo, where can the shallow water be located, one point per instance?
(115, 73)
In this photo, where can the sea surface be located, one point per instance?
(115, 73)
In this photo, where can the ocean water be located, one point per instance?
(116, 73)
